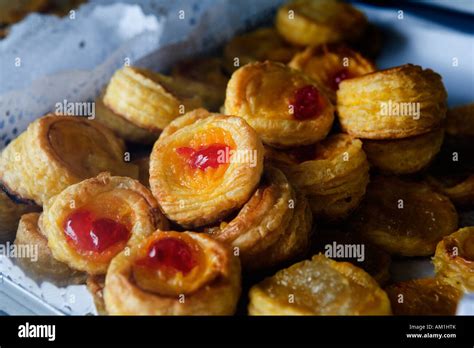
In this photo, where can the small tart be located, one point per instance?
(315, 22)
(319, 286)
(11, 210)
(39, 262)
(391, 104)
(341, 245)
(329, 65)
(404, 156)
(423, 297)
(204, 166)
(333, 173)
(121, 126)
(151, 100)
(58, 151)
(404, 218)
(209, 72)
(259, 45)
(90, 222)
(272, 227)
(283, 105)
(454, 259)
(174, 273)
(459, 188)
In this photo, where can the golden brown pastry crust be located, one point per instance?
(217, 296)
(13, 11)
(454, 259)
(55, 152)
(134, 204)
(333, 173)
(267, 96)
(41, 265)
(95, 285)
(315, 22)
(320, 286)
(404, 156)
(423, 297)
(460, 121)
(259, 45)
(194, 196)
(328, 65)
(460, 191)
(404, 218)
(383, 104)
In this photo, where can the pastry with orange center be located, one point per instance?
(284, 106)
(89, 223)
(315, 22)
(454, 259)
(205, 166)
(319, 286)
(174, 273)
(329, 65)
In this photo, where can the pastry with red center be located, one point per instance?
(329, 65)
(90, 222)
(333, 174)
(286, 107)
(174, 273)
(205, 166)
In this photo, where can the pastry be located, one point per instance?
(459, 187)
(95, 285)
(423, 297)
(460, 122)
(204, 167)
(391, 104)
(274, 226)
(13, 11)
(404, 156)
(283, 105)
(259, 45)
(404, 218)
(454, 259)
(89, 223)
(319, 286)
(329, 65)
(341, 245)
(174, 273)
(333, 173)
(150, 101)
(39, 262)
(56, 152)
(315, 22)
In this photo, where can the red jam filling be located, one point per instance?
(91, 234)
(307, 103)
(338, 77)
(205, 156)
(170, 253)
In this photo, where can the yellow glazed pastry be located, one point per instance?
(329, 65)
(423, 297)
(58, 151)
(333, 173)
(272, 227)
(315, 22)
(391, 104)
(283, 105)
(319, 286)
(404, 156)
(204, 167)
(454, 259)
(90, 222)
(39, 262)
(259, 45)
(404, 218)
(150, 100)
(174, 273)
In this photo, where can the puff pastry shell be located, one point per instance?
(215, 278)
(283, 105)
(319, 286)
(118, 199)
(384, 104)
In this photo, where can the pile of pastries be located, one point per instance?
(222, 187)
